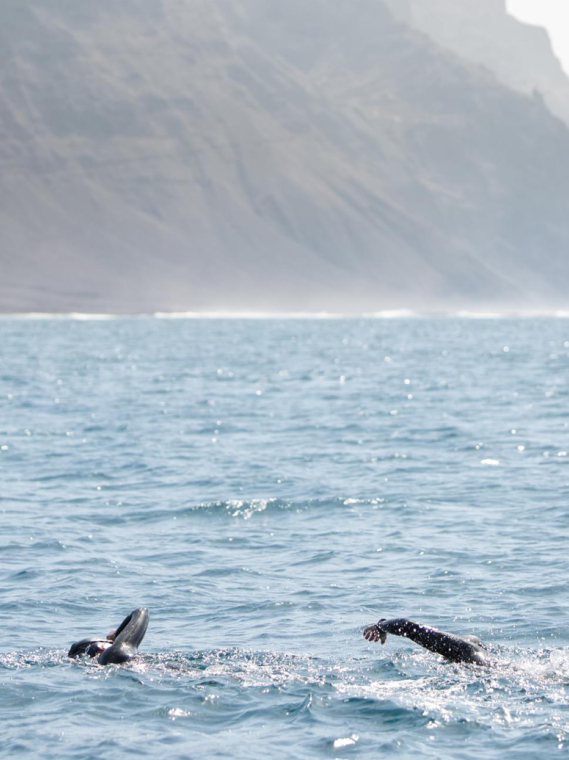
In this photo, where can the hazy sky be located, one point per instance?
(554, 15)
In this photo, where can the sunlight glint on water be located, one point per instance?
(267, 488)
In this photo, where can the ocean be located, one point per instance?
(267, 488)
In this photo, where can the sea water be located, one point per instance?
(267, 488)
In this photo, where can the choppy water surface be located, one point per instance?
(267, 488)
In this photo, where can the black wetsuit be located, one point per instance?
(454, 648)
(122, 648)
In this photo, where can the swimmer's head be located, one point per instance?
(90, 647)
(95, 648)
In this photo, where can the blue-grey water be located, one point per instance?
(268, 487)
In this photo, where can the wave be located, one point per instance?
(235, 509)
(374, 693)
(412, 672)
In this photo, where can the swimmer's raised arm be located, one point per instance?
(127, 638)
(111, 636)
(453, 648)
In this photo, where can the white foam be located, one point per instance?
(480, 315)
(248, 315)
(83, 317)
(394, 314)
(347, 741)
(74, 315)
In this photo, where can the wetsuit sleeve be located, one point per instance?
(79, 648)
(128, 638)
(450, 646)
(124, 624)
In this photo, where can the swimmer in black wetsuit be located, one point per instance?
(120, 645)
(454, 648)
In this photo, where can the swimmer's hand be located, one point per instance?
(375, 632)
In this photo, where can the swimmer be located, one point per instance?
(120, 645)
(453, 648)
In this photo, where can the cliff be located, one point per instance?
(246, 154)
(481, 31)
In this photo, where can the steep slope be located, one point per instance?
(483, 32)
(237, 154)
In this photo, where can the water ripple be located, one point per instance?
(267, 488)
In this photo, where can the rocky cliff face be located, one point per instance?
(482, 31)
(246, 154)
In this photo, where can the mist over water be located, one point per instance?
(267, 488)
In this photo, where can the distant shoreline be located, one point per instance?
(260, 315)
